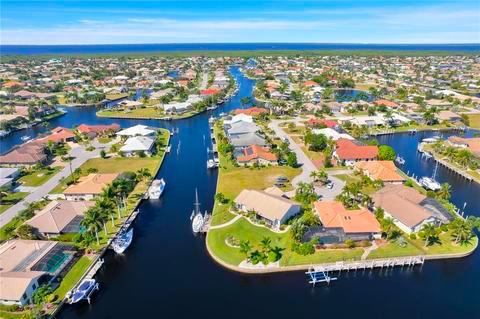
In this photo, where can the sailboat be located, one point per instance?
(122, 241)
(430, 182)
(197, 217)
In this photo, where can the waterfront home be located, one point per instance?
(410, 209)
(128, 104)
(138, 130)
(446, 115)
(27, 155)
(472, 144)
(26, 264)
(252, 111)
(245, 140)
(384, 171)
(136, 144)
(59, 217)
(349, 152)
(239, 128)
(8, 176)
(59, 135)
(210, 91)
(332, 134)
(237, 118)
(255, 154)
(340, 224)
(273, 210)
(375, 120)
(92, 131)
(89, 187)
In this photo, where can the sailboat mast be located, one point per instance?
(197, 204)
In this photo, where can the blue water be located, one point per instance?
(167, 272)
(348, 95)
(175, 47)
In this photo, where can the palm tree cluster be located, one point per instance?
(462, 157)
(265, 254)
(305, 193)
(463, 229)
(352, 196)
(319, 176)
(113, 198)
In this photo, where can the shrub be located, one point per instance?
(26, 231)
(413, 236)
(349, 243)
(303, 249)
(409, 183)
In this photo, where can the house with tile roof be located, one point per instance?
(340, 224)
(89, 187)
(385, 171)
(26, 155)
(255, 154)
(349, 152)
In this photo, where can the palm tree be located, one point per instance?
(93, 221)
(429, 233)
(144, 173)
(444, 192)
(265, 244)
(388, 226)
(245, 248)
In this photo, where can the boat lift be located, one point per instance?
(319, 276)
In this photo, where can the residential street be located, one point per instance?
(80, 156)
(307, 165)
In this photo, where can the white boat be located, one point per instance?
(168, 149)
(83, 291)
(427, 155)
(122, 241)
(430, 139)
(211, 120)
(156, 188)
(197, 217)
(211, 164)
(400, 160)
(25, 138)
(430, 183)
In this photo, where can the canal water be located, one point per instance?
(167, 272)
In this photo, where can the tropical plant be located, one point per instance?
(429, 234)
(245, 248)
(444, 191)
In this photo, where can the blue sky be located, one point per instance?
(341, 21)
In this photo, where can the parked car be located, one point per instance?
(329, 185)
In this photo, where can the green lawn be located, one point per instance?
(39, 177)
(10, 200)
(72, 277)
(392, 249)
(241, 230)
(474, 120)
(322, 256)
(105, 139)
(446, 245)
(148, 112)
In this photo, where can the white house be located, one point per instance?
(331, 133)
(136, 144)
(138, 130)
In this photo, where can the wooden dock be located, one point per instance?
(340, 266)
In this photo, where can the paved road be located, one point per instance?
(307, 165)
(80, 156)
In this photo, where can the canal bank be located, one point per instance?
(168, 273)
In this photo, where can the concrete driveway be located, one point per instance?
(80, 156)
(306, 164)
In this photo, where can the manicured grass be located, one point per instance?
(474, 120)
(392, 249)
(72, 277)
(148, 112)
(323, 256)
(10, 200)
(105, 140)
(446, 245)
(241, 230)
(38, 177)
(12, 315)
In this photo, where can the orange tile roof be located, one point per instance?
(386, 103)
(348, 150)
(59, 134)
(333, 214)
(254, 152)
(253, 111)
(382, 170)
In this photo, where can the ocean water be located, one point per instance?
(178, 47)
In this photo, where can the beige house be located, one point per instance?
(27, 264)
(275, 210)
(59, 217)
(89, 187)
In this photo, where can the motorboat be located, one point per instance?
(122, 241)
(156, 188)
(83, 291)
(211, 164)
(197, 217)
(430, 183)
(211, 120)
(25, 138)
(400, 160)
(430, 139)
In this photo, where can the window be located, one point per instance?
(34, 286)
(24, 297)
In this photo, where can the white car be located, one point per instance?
(329, 185)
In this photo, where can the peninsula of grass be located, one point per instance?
(38, 177)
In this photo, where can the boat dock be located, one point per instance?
(94, 268)
(320, 273)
